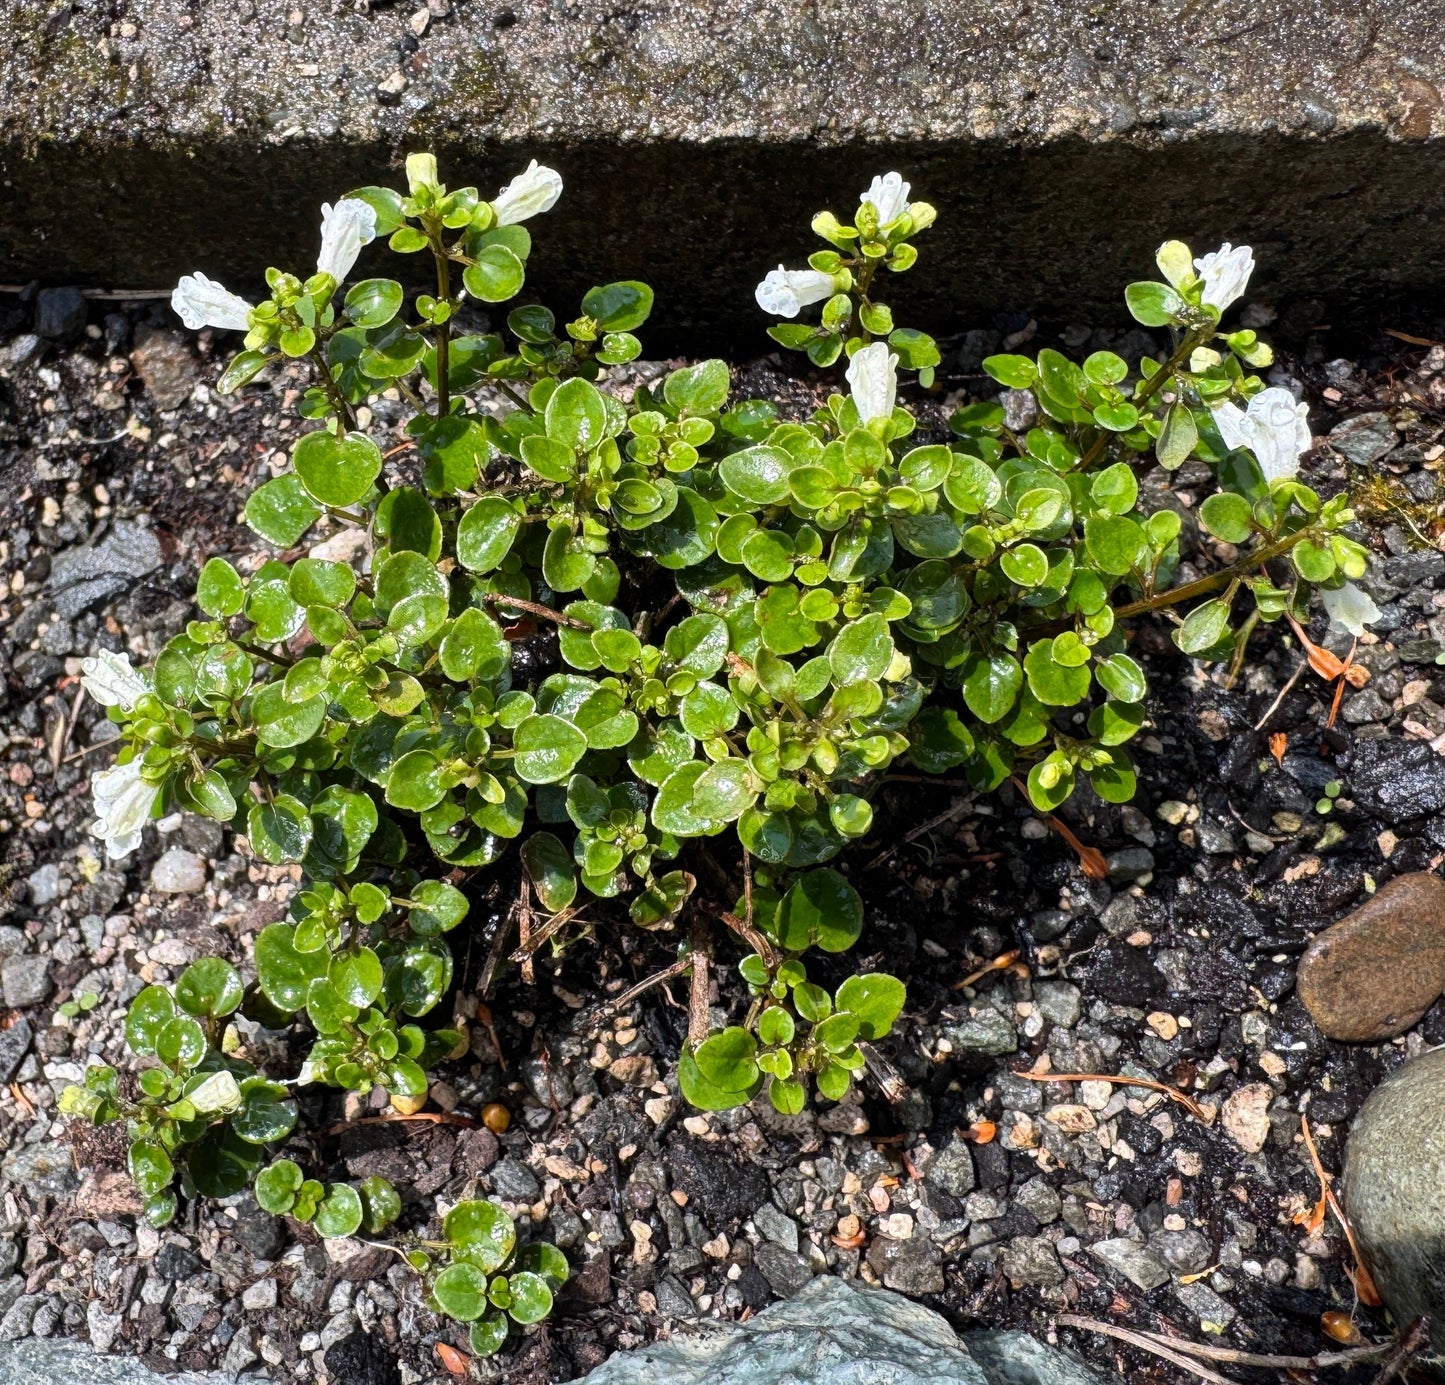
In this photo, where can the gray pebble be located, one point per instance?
(513, 1180)
(179, 872)
(1186, 1252)
(775, 1226)
(1134, 1260)
(44, 885)
(1059, 1002)
(1205, 1304)
(1040, 1201)
(785, 1271)
(25, 981)
(983, 1030)
(1031, 1260)
(951, 1168)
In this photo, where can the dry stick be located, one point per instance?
(697, 1018)
(553, 926)
(428, 1117)
(752, 937)
(1323, 1360)
(495, 951)
(1409, 1347)
(658, 978)
(532, 608)
(524, 932)
(1173, 1093)
(1283, 693)
(1139, 1340)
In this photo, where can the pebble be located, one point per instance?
(1186, 1252)
(981, 1030)
(1134, 1260)
(1031, 1260)
(786, 1271)
(163, 360)
(1131, 863)
(1245, 1116)
(259, 1296)
(1393, 1158)
(913, 1266)
(1365, 438)
(60, 314)
(179, 871)
(951, 1168)
(1059, 1002)
(44, 885)
(1372, 975)
(772, 1224)
(25, 981)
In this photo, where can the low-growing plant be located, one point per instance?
(756, 619)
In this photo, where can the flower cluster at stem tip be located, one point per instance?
(756, 619)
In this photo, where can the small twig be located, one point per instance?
(658, 978)
(1321, 1361)
(532, 608)
(91, 749)
(1000, 963)
(553, 926)
(750, 934)
(1410, 1345)
(387, 1117)
(66, 729)
(524, 932)
(951, 812)
(1144, 1343)
(1283, 693)
(495, 952)
(1173, 1093)
(697, 1007)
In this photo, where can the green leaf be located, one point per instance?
(373, 302)
(496, 276)
(1178, 437)
(314, 582)
(1115, 488)
(357, 976)
(474, 647)
(775, 1027)
(787, 1095)
(340, 1212)
(415, 782)
(1025, 564)
(488, 1334)
(284, 974)
(724, 789)
(1153, 304)
(277, 1186)
(1013, 372)
(621, 307)
(548, 749)
(380, 1202)
(698, 389)
(209, 987)
(758, 474)
(281, 510)
(575, 415)
(221, 1163)
(550, 868)
(1204, 627)
(267, 1112)
(875, 999)
(820, 909)
(439, 908)
(279, 831)
(149, 1166)
(480, 1231)
(244, 367)
(337, 470)
(705, 1095)
(862, 650)
(150, 1012)
(181, 1044)
(219, 591)
(1116, 543)
(1227, 516)
(1053, 683)
(531, 1297)
(991, 684)
(1121, 677)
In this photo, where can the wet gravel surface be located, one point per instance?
(996, 1199)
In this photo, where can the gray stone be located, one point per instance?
(25, 981)
(1040, 1201)
(1364, 439)
(44, 885)
(1059, 1002)
(83, 577)
(776, 1227)
(673, 1299)
(60, 314)
(164, 361)
(785, 1270)
(1186, 1252)
(1130, 863)
(651, 111)
(1031, 1260)
(14, 1045)
(43, 1169)
(1134, 1260)
(951, 1168)
(1393, 1163)
(63, 1361)
(513, 1179)
(1211, 1310)
(980, 1030)
(832, 1333)
(914, 1266)
(179, 871)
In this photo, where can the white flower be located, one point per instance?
(888, 196)
(219, 1092)
(345, 228)
(111, 681)
(201, 302)
(1274, 428)
(529, 193)
(123, 803)
(1225, 273)
(786, 291)
(873, 378)
(1351, 607)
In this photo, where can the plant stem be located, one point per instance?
(339, 406)
(1202, 586)
(534, 608)
(444, 329)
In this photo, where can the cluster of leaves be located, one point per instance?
(757, 619)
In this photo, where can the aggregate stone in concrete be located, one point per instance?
(729, 123)
(1373, 974)
(834, 1334)
(1394, 1170)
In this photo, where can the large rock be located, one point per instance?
(1394, 1173)
(60, 1361)
(1061, 142)
(835, 1334)
(1373, 974)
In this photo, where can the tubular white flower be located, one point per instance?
(111, 681)
(873, 378)
(123, 803)
(345, 228)
(1351, 607)
(201, 302)
(528, 194)
(1225, 273)
(888, 196)
(785, 292)
(1273, 427)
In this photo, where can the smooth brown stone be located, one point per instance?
(1373, 974)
